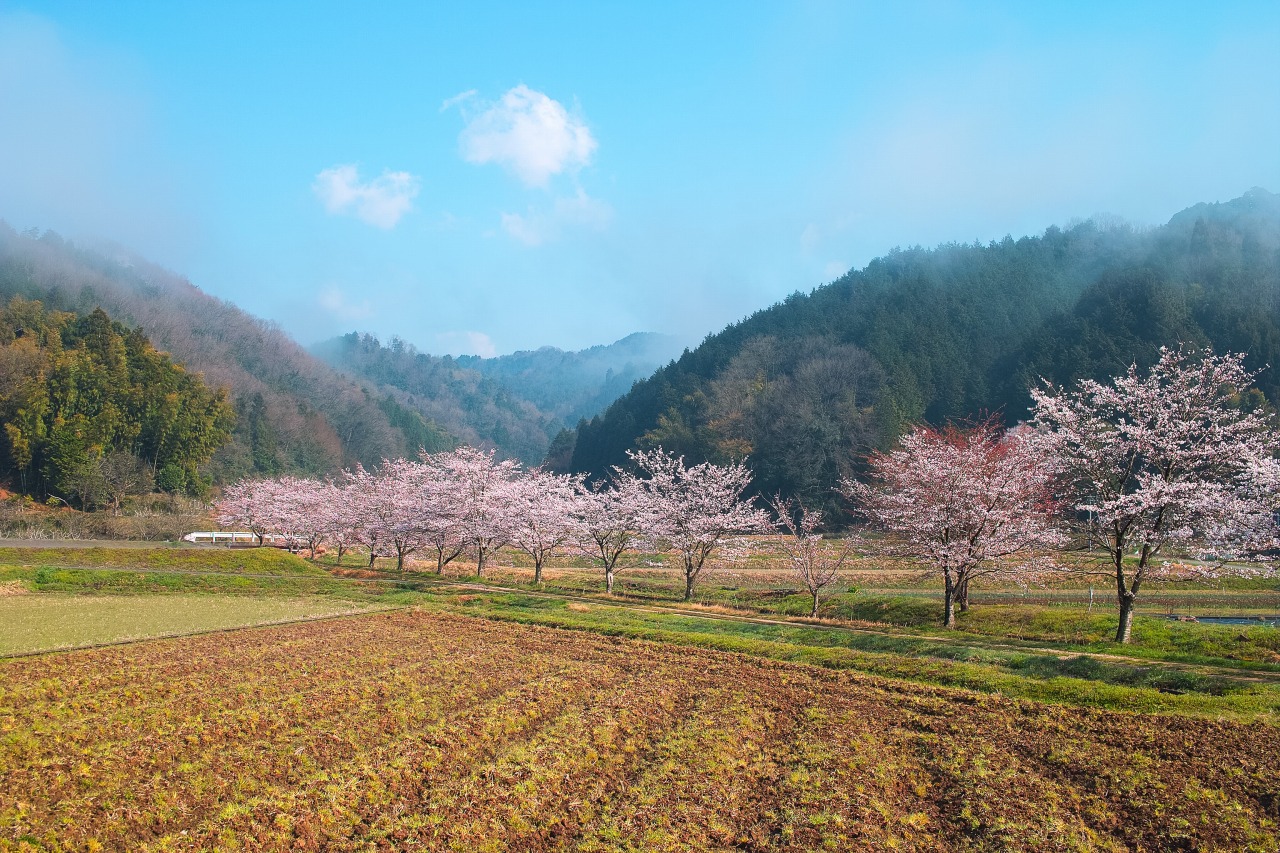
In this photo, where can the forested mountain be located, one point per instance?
(92, 412)
(808, 386)
(517, 403)
(292, 411)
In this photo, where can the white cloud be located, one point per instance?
(529, 134)
(536, 227)
(381, 201)
(457, 99)
(333, 300)
(466, 343)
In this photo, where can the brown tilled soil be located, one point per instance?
(417, 731)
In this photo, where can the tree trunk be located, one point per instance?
(341, 550)
(688, 586)
(962, 595)
(813, 614)
(1125, 628)
(608, 580)
(1125, 594)
(480, 562)
(949, 602)
(537, 571)
(400, 562)
(373, 555)
(440, 562)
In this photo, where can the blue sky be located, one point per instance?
(491, 177)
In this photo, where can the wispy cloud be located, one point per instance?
(530, 135)
(447, 103)
(380, 202)
(536, 227)
(333, 300)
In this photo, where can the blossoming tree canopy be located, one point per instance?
(1172, 458)
(607, 519)
(485, 489)
(693, 509)
(814, 560)
(542, 514)
(962, 502)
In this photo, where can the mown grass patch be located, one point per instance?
(255, 561)
(127, 582)
(33, 623)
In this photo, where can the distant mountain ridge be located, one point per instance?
(518, 402)
(807, 387)
(293, 412)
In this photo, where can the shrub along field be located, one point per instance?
(416, 729)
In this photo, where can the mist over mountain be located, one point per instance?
(519, 402)
(293, 412)
(807, 387)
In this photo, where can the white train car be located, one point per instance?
(239, 539)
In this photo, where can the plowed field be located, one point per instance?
(418, 731)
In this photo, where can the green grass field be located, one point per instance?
(33, 623)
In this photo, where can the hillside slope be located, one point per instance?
(517, 403)
(294, 413)
(809, 385)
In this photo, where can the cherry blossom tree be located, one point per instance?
(442, 509)
(486, 494)
(335, 515)
(607, 520)
(693, 510)
(372, 511)
(1162, 460)
(299, 511)
(814, 560)
(542, 517)
(246, 504)
(962, 503)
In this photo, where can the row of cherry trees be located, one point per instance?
(468, 502)
(1173, 462)
(1179, 458)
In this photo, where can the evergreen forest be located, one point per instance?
(93, 413)
(807, 387)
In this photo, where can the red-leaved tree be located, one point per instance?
(962, 503)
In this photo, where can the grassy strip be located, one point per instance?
(50, 622)
(1073, 681)
(117, 582)
(1065, 628)
(256, 561)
